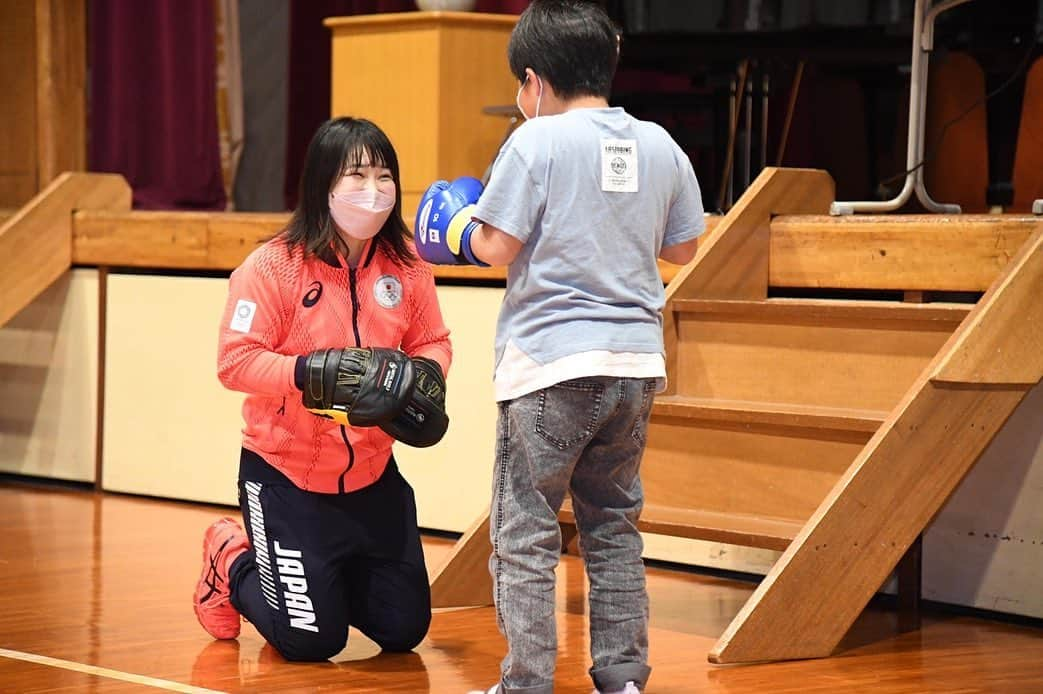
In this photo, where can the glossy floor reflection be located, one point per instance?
(103, 583)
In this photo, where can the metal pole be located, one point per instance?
(927, 45)
(845, 208)
(765, 86)
(747, 144)
(924, 17)
(793, 91)
(735, 106)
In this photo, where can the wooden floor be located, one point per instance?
(95, 596)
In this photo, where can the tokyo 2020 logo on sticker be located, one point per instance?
(387, 290)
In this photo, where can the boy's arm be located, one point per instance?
(681, 253)
(685, 221)
(446, 232)
(494, 246)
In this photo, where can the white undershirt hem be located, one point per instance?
(519, 374)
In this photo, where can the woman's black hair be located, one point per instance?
(338, 145)
(571, 43)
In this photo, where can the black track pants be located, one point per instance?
(321, 562)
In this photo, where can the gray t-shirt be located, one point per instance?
(594, 195)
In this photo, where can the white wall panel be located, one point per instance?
(48, 382)
(171, 429)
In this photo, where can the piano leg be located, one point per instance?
(923, 43)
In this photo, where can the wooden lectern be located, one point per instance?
(424, 78)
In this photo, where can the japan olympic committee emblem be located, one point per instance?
(387, 290)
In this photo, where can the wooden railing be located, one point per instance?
(207, 241)
(36, 241)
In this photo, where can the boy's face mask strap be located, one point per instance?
(539, 97)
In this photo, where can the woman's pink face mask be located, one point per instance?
(360, 213)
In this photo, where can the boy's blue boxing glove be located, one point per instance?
(443, 223)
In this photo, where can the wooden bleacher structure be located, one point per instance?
(832, 429)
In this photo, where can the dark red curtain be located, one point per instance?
(309, 74)
(152, 100)
(309, 69)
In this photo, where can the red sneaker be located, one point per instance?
(223, 542)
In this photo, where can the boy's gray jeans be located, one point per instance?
(586, 437)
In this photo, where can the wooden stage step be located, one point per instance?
(833, 310)
(730, 528)
(963, 252)
(839, 354)
(751, 413)
(745, 472)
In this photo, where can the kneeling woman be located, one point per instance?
(334, 332)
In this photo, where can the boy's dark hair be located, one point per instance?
(338, 145)
(571, 43)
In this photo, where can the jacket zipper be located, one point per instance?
(358, 343)
(354, 307)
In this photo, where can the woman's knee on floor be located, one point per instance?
(311, 647)
(401, 632)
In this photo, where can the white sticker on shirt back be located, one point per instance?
(387, 290)
(243, 316)
(619, 166)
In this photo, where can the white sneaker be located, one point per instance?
(629, 688)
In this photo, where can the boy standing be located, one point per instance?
(581, 201)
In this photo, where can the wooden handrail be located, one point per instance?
(36, 242)
(905, 252)
(207, 241)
